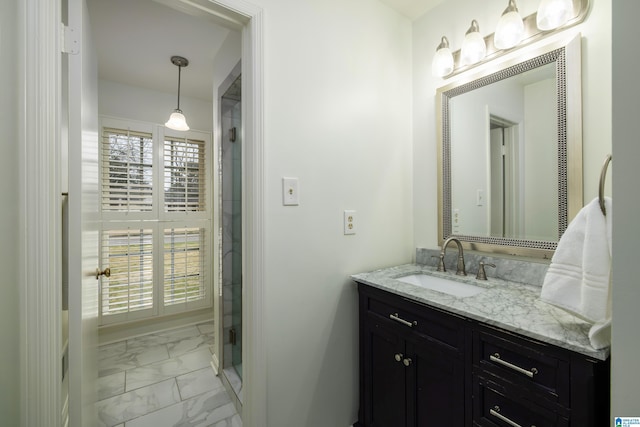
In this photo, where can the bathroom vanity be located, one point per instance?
(497, 358)
(440, 350)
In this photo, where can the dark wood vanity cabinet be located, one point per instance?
(421, 366)
(411, 363)
(519, 381)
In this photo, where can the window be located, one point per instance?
(129, 255)
(127, 174)
(183, 265)
(183, 175)
(156, 221)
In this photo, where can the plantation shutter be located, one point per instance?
(155, 239)
(127, 171)
(184, 175)
(184, 255)
(129, 254)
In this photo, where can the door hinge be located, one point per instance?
(69, 40)
(232, 336)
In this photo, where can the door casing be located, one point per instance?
(40, 188)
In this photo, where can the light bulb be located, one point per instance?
(474, 48)
(553, 14)
(510, 28)
(442, 64)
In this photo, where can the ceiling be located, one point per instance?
(136, 39)
(412, 9)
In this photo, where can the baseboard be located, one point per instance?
(124, 331)
(215, 364)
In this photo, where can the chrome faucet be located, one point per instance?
(460, 271)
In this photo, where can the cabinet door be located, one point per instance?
(437, 374)
(384, 376)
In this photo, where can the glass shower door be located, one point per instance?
(232, 225)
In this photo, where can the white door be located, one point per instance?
(83, 221)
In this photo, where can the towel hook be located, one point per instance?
(603, 176)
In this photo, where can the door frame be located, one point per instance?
(39, 41)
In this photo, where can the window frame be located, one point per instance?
(158, 219)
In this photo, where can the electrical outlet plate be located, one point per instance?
(350, 222)
(290, 192)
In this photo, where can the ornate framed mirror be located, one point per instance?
(510, 152)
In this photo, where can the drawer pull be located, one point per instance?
(398, 357)
(495, 357)
(395, 317)
(496, 413)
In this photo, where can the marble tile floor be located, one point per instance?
(161, 380)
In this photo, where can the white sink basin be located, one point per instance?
(440, 284)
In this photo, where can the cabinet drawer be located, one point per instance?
(495, 405)
(533, 366)
(425, 321)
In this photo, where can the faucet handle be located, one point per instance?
(441, 266)
(482, 275)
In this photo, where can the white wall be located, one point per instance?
(226, 58)
(9, 221)
(540, 161)
(452, 18)
(626, 231)
(338, 117)
(135, 103)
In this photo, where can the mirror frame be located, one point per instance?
(567, 57)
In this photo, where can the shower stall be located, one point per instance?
(231, 231)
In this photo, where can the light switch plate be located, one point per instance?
(290, 192)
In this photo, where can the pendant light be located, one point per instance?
(510, 28)
(553, 13)
(474, 48)
(176, 120)
(442, 64)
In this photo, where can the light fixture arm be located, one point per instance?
(444, 43)
(474, 28)
(512, 7)
(179, 73)
(179, 62)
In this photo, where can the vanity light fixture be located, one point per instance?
(177, 120)
(553, 14)
(442, 64)
(474, 48)
(510, 28)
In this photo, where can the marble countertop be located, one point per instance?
(511, 306)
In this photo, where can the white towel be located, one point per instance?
(579, 277)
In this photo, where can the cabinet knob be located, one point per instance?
(407, 361)
(399, 357)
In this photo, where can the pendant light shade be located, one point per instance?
(510, 28)
(474, 48)
(442, 64)
(177, 120)
(553, 14)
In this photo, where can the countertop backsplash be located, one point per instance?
(513, 270)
